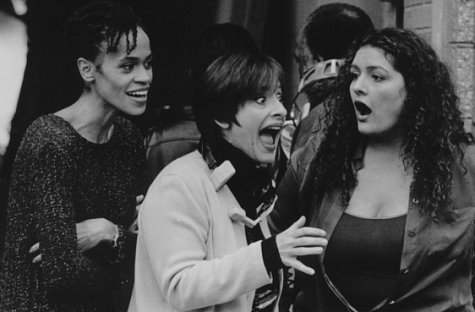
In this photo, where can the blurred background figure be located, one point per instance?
(322, 45)
(13, 50)
(176, 133)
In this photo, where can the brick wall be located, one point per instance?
(449, 27)
(418, 17)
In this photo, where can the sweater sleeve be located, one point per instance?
(271, 255)
(63, 266)
(174, 225)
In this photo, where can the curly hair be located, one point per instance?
(433, 127)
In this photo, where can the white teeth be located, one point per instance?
(138, 93)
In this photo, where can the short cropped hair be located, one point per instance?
(331, 29)
(227, 83)
(99, 22)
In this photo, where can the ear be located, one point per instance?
(86, 69)
(222, 125)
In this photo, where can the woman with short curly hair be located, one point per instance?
(76, 177)
(391, 181)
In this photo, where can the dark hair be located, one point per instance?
(217, 40)
(227, 83)
(331, 29)
(97, 23)
(433, 127)
(214, 41)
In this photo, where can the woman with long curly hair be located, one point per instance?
(390, 179)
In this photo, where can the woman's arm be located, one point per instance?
(175, 225)
(63, 265)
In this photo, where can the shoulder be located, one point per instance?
(302, 157)
(191, 165)
(181, 131)
(310, 126)
(49, 126)
(47, 132)
(184, 178)
(190, 169)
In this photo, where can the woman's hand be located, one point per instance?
(33, 250)
(298, 241)
(91, 232)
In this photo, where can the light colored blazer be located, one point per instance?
(190, 253)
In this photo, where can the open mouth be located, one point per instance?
(138, 94)
(362, 108)
(270, 133)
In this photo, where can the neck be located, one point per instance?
(388, 144)
(90, 117)
(384, 152)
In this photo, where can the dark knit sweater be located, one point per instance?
(59, 179)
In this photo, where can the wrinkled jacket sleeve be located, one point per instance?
(286, 210)
(290, 204)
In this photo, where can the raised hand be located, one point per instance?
(297, 241)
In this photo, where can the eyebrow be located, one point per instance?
(370, 68)
(134, 58)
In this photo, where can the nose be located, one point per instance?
(144, 75)
(358, 85)
(279, 110)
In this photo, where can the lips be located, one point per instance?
(362, 108)
(270, 133)
(138, 93)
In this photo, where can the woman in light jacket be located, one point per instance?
(203, 241)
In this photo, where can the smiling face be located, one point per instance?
(378, 93)
(258, 131)
(123, 80)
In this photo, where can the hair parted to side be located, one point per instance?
(227, 83)
(433, 127)
(331, 29)
(98, 23)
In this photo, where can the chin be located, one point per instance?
(364, 130)
(136, 111)
(267, 159)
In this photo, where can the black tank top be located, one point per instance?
(363, 258)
